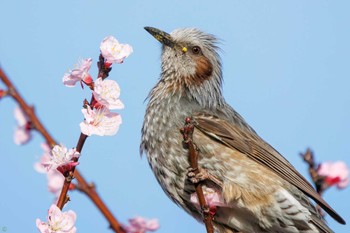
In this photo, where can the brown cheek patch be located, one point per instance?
(204, 69)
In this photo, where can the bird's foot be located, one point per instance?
(197, 175)
(200, 174)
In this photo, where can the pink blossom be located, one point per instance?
(113, 51)
(336, 173)
(22, 135)
(141, 225)
(54, 178)
(39, 166)
(22, 132)
(62, 159)
(55, 182)
(106, 93)
(100, 122)
(213, 199)
(58, 221)
(79, 74)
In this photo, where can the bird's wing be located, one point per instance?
(261, 152)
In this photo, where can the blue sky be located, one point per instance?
(285, 65)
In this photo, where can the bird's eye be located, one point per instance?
(196, 49)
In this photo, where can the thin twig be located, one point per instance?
(62, 200)
(103, 73)
(92, 194)
(319, 181)
(187, 133)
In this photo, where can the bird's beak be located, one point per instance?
(161, 36)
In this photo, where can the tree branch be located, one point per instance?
(37, 125)
(62, 200)
(187, 133)
(319, 181)
(103, 73)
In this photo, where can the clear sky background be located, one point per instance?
(286, 70)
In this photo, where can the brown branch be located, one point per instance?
(103, 71)
(28, 110)
(36, 123)
(69, 176)
(319, 181)
(187, 133)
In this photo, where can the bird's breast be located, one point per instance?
(161, 137)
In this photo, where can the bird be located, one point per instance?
(256, 188)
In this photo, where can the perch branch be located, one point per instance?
(319, 181)
(187, 133)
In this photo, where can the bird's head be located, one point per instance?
(191, 64)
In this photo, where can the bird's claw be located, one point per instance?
(196, 177)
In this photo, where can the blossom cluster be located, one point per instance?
(98, 119)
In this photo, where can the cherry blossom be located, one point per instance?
(54, 178)
(100, 121)
(23, 130)
(141, 225)
(22, 135)
(336, 173)
(106, 93)
(79, 74)
(62, 159)
(45, 158)
(113, 51)
(55, 182)
(58, 221)
(213, 198)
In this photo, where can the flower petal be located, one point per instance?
(58, 221)
(100, 122)
(81, 73)
(113, 51)
(106, 93)
(21, 135)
